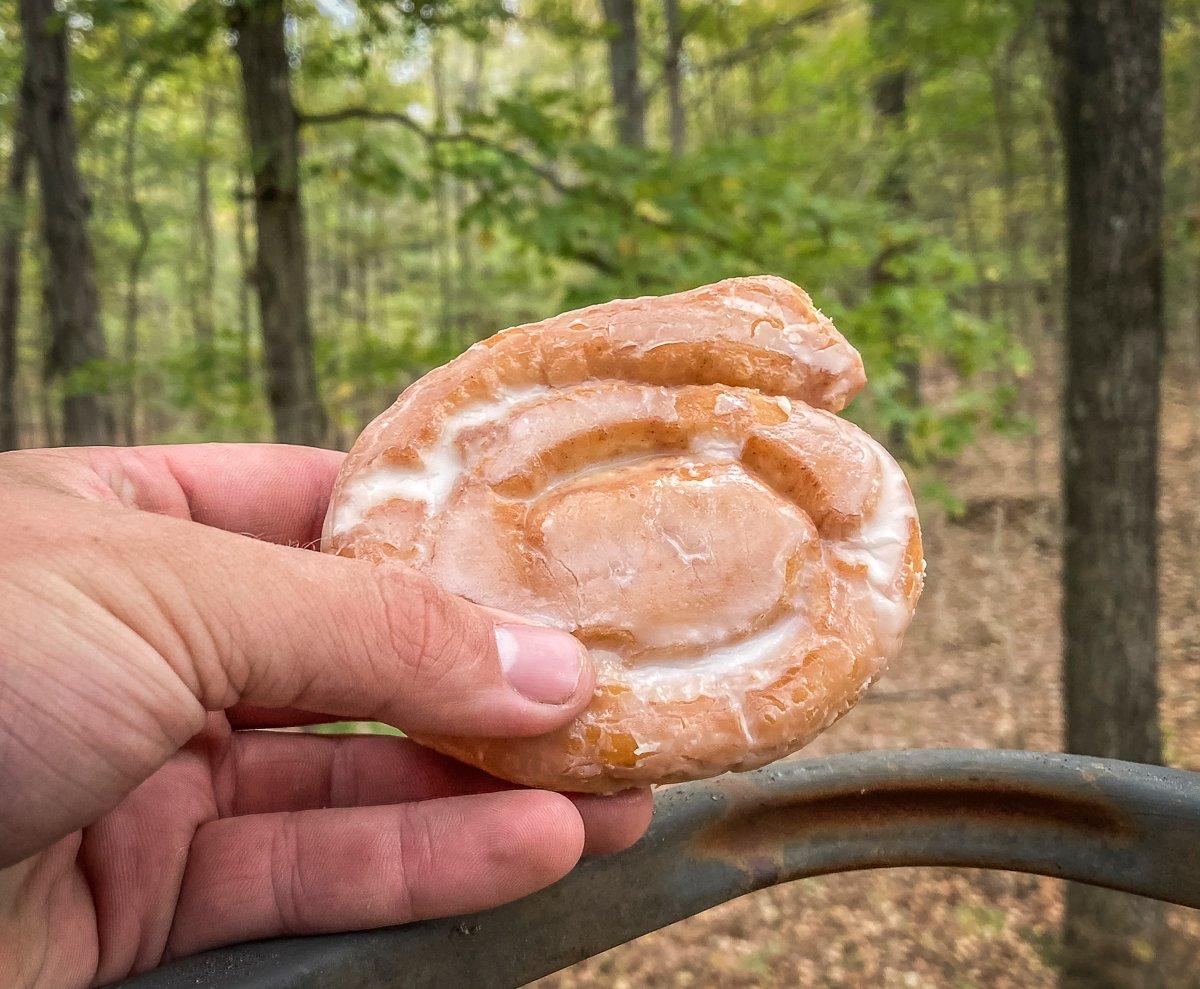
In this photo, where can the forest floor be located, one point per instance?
(980, 668)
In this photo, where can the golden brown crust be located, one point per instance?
(664, 478)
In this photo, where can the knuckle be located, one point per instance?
(342, 787)
(426, 628)
(287, 876)
(417, 852)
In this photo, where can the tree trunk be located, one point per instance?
(466, 317)
(1050, 241)
(52, 435)
(344, 251)
(676, 116)
(11, 235)
(891, 104)
(362, 247)
(137, 257)
(758, 97)
(245, 278)
(204, 287)
(443, 231)
(205, 319)
(1112, 124)
(76, 339)
(629, 101)
(281, 269)
(975, 248)
(1194, 436)
(1002, 84)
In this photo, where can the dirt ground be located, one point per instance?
(979, 669)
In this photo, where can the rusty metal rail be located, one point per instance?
(1133, 828)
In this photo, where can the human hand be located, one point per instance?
(140, 633)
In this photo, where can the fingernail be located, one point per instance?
(544, 664)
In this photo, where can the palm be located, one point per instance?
(145, 821)
(145, 883)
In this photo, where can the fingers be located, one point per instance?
(269, 491)
(272, 492)
(272, 772)
(244, 622)
(332, 870)
(613, 823)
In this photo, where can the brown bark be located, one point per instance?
(76, 339)
(975, 248)
(11, 235)
(281, 267)
(757, 119)
(245, 278)
(1194, 436)
(1050, 241)
(891, 105)
(201, 282)
(1003, 85)
(1112, 122)
(344, 254)
(51, 435)
(672, 76)
(443, 221)
(362, 291)
(628, 98)
(137, 257)
(204, 322)
(466, 317)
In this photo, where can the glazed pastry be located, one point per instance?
(666, 479)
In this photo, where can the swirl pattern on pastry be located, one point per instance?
(666, 479)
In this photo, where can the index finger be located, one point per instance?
(272, 492)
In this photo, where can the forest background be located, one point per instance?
(261, 220)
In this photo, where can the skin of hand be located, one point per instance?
(157, 602)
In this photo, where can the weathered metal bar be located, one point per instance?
(1130, 827)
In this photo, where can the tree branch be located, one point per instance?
(767, 36)
(364, 113)
(433, 137)
(544, 172)
(758, 39)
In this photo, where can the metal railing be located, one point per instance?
(1130, 827)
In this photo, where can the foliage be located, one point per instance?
(494, 191)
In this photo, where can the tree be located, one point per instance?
(137, 256)
(1112, 124)
(628, 98)
(245, 330)
(12, 226)
(204, 317)
(77, 345)
(895, 188)
(672, 77)
(281, 268)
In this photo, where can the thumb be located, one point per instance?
(273, 626)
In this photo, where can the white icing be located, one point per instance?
(878, 546)
(727, 403)
(706, 670)
(833, 359)
(716, 446)
(701, 554)
(441, 464)
(880, 543)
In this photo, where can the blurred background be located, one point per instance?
(259, 219)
